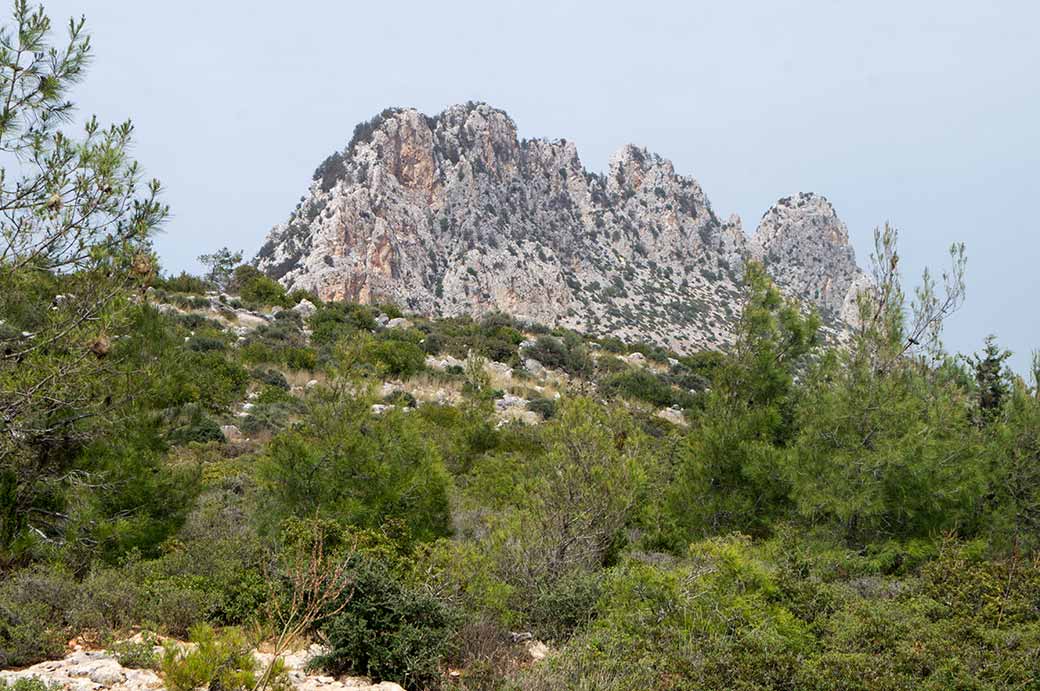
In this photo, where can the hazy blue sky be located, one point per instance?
(925, 114)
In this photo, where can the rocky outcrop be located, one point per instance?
(805, 248)
(100, 670)
(454, 214)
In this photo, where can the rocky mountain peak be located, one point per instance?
(454, 214)
(805, 247)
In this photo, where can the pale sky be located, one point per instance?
(922, 113)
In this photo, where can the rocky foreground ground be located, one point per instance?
(84, 669)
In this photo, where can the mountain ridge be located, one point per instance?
(454, 214)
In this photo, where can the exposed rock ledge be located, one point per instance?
(97, 670)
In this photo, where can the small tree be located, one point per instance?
(312, 583)
(729, 473)
(884, 444)
(887, 332)
(992, 377)
(220, 266)
(587, 483)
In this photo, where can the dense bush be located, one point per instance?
(343, 463)
(394, 358)
(335, 320)
(566, 352)
(221, 660)
(495, 337)
(392, 629)
(643, 385)
(257, 290)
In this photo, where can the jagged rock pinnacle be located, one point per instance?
(454, 214)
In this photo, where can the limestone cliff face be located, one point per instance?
(805, 248)
(453, 214)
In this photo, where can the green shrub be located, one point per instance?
(137, 654)
(558, 610)
(301, 359)
(400, 398)
(33, 605)
(270, 377)
(182, 283)
(395, 358)
(223, 660)
(343, 463)
(274, 394)
(546, 407)
(257, 290)
(392, 629)
(335, 320)
(567, 353)
(206, 343)
(28, 684)
(271, 415)
(195, 322)
(190, 423)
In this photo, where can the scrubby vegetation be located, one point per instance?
(227, 467)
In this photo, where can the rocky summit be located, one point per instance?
(454, 214)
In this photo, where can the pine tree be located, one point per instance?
(75, 221)
(992, 377)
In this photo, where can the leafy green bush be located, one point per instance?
(335, 320)
(495, 336)
(560, 609)
(223, 660)
(137, 654)
(257, 290)
(270, 377)
(182, 283)
(392, 629)
(395, 358)
(643, 385)
(33, 603)
(401, 398)
(567, 353)
(546, 407)
(342, 462)
(189, 423)
(28, 684)
(202, 343)
(301, 359)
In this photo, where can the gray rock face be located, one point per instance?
(805, 248)
(454, 214)
(305, 308)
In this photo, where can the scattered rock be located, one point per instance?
(443, 362)
(231, 433)
(249, 319)
(534, 367)
(537, 650)
(498, 369)
(305, 308)
(98, 670)
(673, 416)
(510, 401)
(399, 323)
(637, 359)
